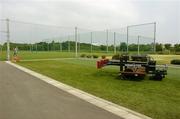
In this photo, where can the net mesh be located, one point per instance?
(37, 37)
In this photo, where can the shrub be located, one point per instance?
(88, 56)
(175, 61)
(95, 56)
(116, 57)
(103, 56)
(83, 55)
(177, 53)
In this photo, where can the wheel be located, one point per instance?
(158, 77)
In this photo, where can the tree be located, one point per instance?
(177, 47)
(159, 47)
(123, 46)
(167, 46)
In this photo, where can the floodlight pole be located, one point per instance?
(154, 37)
(114, 42)
(107, 41)
(91, 42)
(76, 42)
(138, 44)
(8, 40)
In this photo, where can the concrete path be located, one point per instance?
(23, 96)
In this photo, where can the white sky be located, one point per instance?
(99, 14)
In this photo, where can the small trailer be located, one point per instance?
(136, 67)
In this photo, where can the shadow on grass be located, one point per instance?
(114, 75)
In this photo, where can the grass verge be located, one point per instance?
(157, 99)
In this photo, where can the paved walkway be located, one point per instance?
(23, 96)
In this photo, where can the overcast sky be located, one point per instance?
(99, 14)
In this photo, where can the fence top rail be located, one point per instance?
(141, 24)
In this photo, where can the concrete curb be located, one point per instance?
(104, 104)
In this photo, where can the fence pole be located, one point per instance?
(69, 44)
(8, 40)
(91, 43)
(60, 49)
(30, 47)
(138, 44)
(76, 42)
(127, 38)
(36, 47)
(107, 41)
(79, 42)
(114, 42)
(154, 37)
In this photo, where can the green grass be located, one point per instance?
(165, 59)
(27, 55)
(157, 99)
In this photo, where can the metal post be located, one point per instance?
(36, 47)
(48, 46)
(154, 37)
(138, 44)
(76, 42)
(114, 42)
(91, 42)
(30, 47)
(8, 40)
(127, 38)
(60, 49)
(119, 46)
(107, 41)
(79, 43)
(61, 46)
(69, 44)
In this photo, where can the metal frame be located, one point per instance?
(137, 25)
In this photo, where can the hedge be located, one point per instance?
(175, 61)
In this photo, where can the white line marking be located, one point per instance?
(104, 104)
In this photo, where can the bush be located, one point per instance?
(88, 56)
(83, 55)
(103, 56)
(116, 57)
(177, 53)
(95, 56)
(175, 61)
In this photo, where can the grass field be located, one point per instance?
(157, 99)
(26, 55)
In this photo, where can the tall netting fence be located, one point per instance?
(3, 39)
(47, 41)
(141, 38)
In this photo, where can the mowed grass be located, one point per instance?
(27, 55)
(157, 99)
(165, 59)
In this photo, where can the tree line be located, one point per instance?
(70, 46)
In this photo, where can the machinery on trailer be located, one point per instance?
(136, 66)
